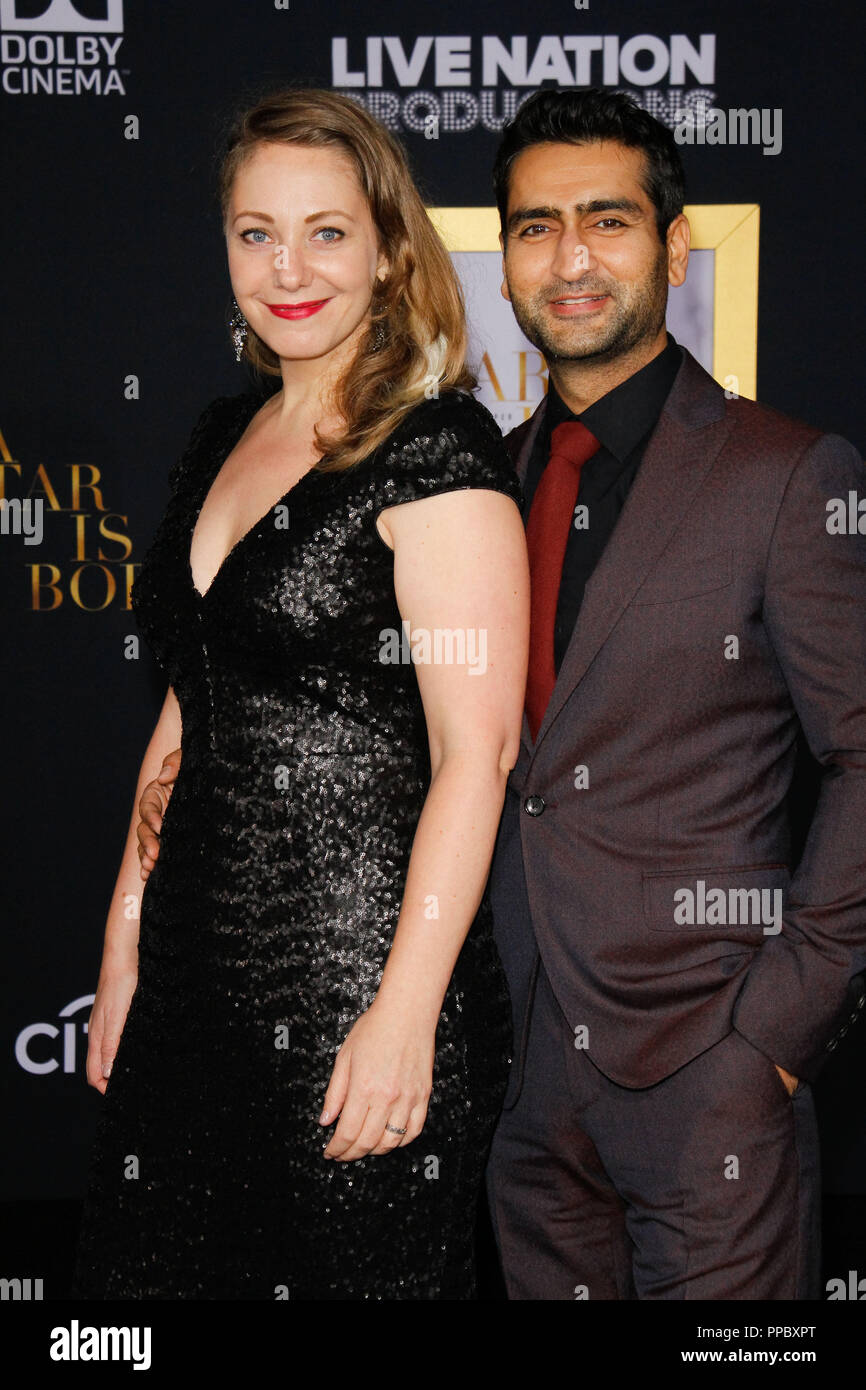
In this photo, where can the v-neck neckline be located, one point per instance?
(244, 421)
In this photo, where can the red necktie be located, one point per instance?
(550, 519)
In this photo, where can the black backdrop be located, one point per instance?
(114, 268)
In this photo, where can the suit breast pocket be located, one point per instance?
(690, 579)
(741, 903)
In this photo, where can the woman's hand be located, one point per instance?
(107, 1017)
(151, 808)
(791, 1082)
(382, 1076)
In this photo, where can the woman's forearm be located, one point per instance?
(448, 869)
(120, 948)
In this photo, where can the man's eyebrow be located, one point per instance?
(582, 209)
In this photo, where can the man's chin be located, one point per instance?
(572, 349)
(568, 339)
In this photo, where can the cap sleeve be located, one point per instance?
(443, 445)
(211, 420)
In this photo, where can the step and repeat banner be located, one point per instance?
(114, 337)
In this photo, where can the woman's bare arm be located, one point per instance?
(118, 973)
(460, 566)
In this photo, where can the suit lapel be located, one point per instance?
(683, 448)
(520, 442)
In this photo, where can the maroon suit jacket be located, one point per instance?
(722, 619)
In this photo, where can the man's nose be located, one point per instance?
(572, 257)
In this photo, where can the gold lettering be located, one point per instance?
(130, 580)
(79, 486)
(41, 475)
(541, 372)
(37, 584)
(494, 380)
(3, 466)
(80, 544)
(118, 536)
(75, 587)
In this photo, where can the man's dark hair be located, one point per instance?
(576, 116)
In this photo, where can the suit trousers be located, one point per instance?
(703, 1186)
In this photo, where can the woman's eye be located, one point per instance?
(255, 236)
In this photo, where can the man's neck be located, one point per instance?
(580, 384)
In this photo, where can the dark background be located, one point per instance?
(114, 264)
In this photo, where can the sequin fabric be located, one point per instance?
(267, 921)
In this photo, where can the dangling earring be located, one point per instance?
(238, 330)
(376, 304)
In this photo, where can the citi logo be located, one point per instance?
(61, 17)
(66, 1045)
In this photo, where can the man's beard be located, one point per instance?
(637, 316)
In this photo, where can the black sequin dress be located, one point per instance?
(267, 920)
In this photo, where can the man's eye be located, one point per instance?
(615, 220)
(534, 227)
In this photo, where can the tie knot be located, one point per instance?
(573, 441)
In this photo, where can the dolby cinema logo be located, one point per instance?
(61, 47)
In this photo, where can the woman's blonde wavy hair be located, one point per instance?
(419, 304)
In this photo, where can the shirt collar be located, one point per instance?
(621, 418)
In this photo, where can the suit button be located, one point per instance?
(534, 805)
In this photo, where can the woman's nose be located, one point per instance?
(290, 266)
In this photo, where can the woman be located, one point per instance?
(315, 959)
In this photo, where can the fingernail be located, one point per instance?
(324, 1117)
(106, 1069)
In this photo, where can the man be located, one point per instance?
(675, 978)
(658, 1139)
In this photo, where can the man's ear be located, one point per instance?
(503, 288)
(678, 244)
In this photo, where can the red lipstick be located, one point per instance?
(297, 311)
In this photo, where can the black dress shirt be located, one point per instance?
(622, 421)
